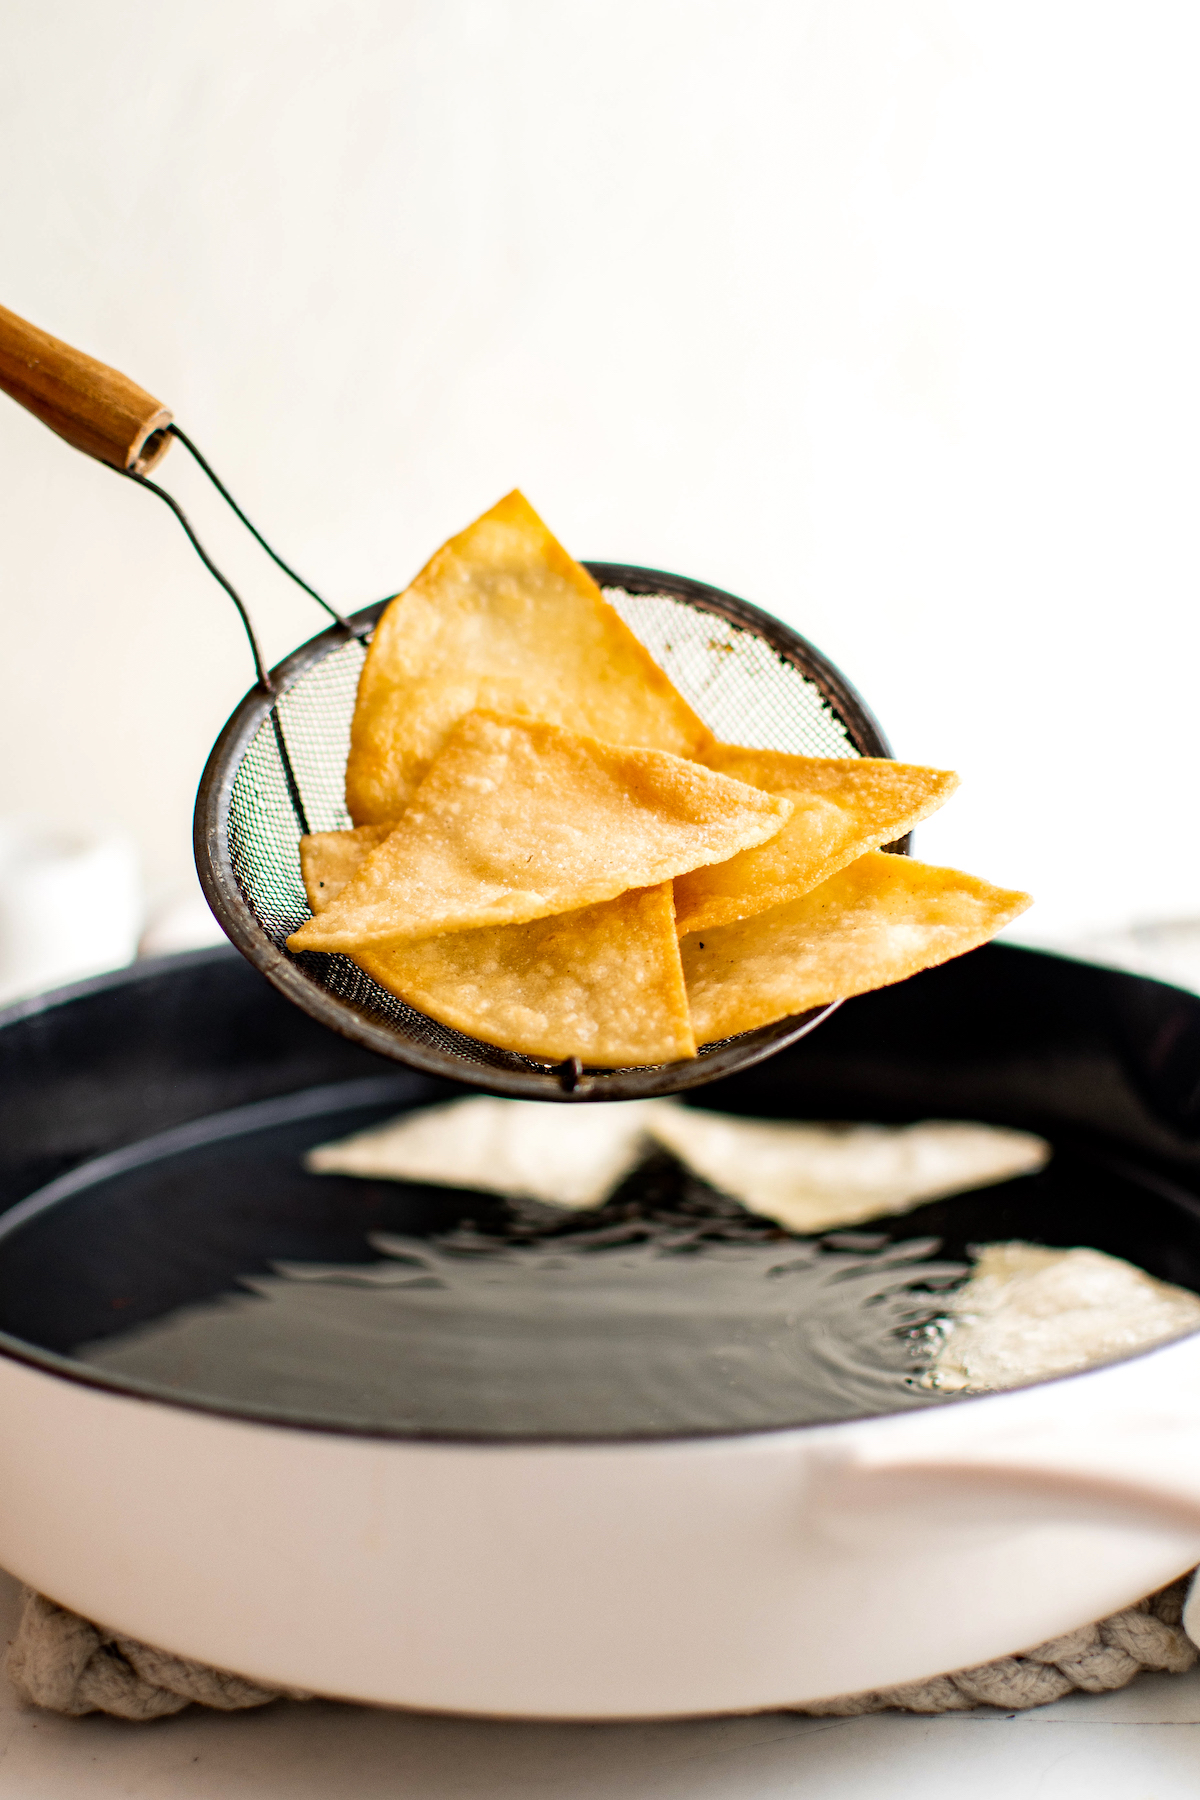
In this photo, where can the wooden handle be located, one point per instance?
(92, 406)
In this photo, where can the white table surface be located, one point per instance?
(1140, 1744)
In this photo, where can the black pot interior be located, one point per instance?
(209, 1267)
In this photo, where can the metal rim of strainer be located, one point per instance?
(237, 917)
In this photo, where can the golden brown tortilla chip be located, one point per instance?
(501, 619)
(518, 820)
(877, 921)
(843, 807)
(328, 859)
(604, 984)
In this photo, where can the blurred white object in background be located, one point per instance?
(182, 920)
(1165, 949)
(70, 903)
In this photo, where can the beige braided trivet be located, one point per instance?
(57, 1660)
(1095, 1658)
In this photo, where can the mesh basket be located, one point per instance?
(278, 771)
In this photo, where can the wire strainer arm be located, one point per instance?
(101, 412)
(107, 416)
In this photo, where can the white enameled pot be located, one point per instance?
(606, 1580)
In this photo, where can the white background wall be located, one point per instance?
(882, 313)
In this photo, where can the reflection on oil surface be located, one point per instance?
(670, 1309)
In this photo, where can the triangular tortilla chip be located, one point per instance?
(879, 920)
(501, 619)
(329, 859)
(825, 1177)
(844, 806)
(604, 984)
(517, 821)
(569, 1156)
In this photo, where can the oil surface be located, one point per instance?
(560, 1337)
(670, 1309)
(225, 1273)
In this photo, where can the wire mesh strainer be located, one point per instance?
(751, 679)
(277, 770)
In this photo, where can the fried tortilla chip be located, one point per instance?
(504, 620)
(843, 807)
(826, 1177)
(568, 1156)
(328, 859)
(517, 821)
(604, 984)
(877, 921)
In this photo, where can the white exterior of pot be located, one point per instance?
(606, 1580)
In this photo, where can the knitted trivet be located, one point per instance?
(59, 1661)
